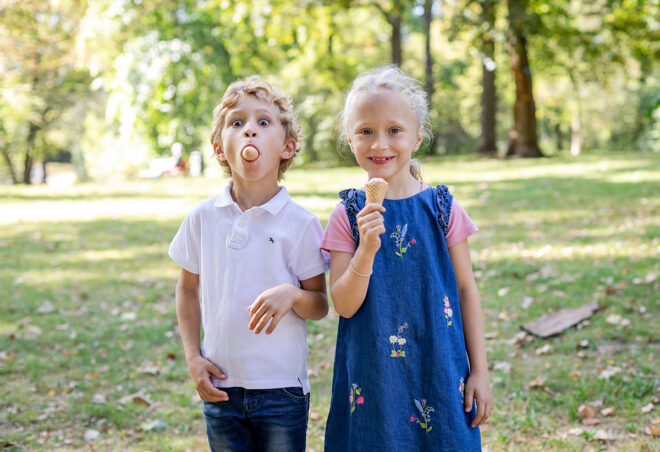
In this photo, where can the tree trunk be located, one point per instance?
(488, 139)
(523, 139)
(395, 21)
(10, 165)
(29, 160)
(428, 62)
(428, 66)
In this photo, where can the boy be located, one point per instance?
(254, 257)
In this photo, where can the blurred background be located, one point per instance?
(107, 86)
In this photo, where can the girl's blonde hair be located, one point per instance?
(256, 86)
(390, 77)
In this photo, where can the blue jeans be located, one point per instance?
(268, 420)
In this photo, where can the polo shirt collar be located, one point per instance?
(273, 205)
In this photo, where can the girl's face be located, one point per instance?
(383, 133)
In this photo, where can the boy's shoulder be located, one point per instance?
(293, 210)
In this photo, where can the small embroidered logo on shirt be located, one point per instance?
(399, 237)
(270, 239)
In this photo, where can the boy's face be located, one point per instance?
(254, 122)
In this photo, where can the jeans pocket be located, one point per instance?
(295, 393)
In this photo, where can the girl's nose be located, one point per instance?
(379, 143)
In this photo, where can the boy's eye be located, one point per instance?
(264, 122)
(395, 130)
(236, 123)
(366, 132)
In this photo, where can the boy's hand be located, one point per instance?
(477, 386)
(271, 305)
(201, 370)
(371, 224)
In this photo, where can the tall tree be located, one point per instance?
(38, 42)
(488, 138)
(523, 140)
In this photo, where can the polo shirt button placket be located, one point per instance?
(238, 234)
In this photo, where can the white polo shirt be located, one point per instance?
(238, 255)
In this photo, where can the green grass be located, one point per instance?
(554, 233)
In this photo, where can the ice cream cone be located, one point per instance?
(250, 153)
(375, 189)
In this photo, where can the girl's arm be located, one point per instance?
(477, 385)
(350, 274)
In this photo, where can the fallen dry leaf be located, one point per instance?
(607, 411)
(647, 408)
(538, 382)
(585, 411)
(603, 435)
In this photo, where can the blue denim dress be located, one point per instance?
(400, 362)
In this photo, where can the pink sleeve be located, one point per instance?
(460, 225)
(337, 235)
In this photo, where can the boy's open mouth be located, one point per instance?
(250, 153)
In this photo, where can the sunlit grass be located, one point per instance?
(87, 306)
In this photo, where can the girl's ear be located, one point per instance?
(420, 138)
(217, 149)
(289, 149)
(350, 145)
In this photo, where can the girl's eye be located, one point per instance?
(264, 122)
(236, 123)
(395, 130)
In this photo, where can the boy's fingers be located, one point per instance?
(257, 316)
(262, 323)
(273, 323)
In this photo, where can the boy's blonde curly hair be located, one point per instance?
(255, 85)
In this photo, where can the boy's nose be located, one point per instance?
(249, 132)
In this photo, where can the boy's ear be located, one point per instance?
(219, 153)
(289, 149)
(420, 138)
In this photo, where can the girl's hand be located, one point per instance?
(371, 224)
(478, 387)
(271, 305)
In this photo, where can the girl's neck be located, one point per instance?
(403, 187)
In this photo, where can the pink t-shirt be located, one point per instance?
(338, 236)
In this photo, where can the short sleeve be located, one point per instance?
(338, 236)
(460, 225)
(307, 260)
(184, 249)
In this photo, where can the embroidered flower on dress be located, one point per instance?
(461, 389)
(449, 313)
(399, 237)
(355, 391)
(400, 341)
(425, 411)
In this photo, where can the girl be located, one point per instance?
(401, 279)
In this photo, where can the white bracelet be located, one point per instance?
(357, 272)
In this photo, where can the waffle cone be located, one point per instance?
(375, 190)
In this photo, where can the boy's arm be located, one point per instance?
(473, 329)
(188, 314)
(309, 301)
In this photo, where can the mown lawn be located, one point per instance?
(90, 356)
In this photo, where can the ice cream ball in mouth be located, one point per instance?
(250, 153)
